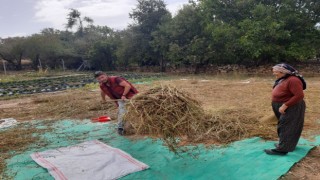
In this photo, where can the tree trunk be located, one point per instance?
(15, 62)
(18, 65)
(198, 67)
(126, 63)
(35, 62)
(163, 64)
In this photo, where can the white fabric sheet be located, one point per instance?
(4, 123)
(92, 160)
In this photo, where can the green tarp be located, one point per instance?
(240, 160)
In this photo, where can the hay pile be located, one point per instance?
(168, 113)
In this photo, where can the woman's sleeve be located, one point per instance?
(296, 88)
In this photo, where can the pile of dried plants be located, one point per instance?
(173, 115)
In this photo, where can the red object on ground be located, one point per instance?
(102, 119)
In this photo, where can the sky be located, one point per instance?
(26, 17)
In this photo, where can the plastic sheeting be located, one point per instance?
(240, 160)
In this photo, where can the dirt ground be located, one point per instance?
(250, 95)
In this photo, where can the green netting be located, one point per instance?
(240, 160)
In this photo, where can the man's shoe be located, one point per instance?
(121, 131)
(276, 145)
(275, 152)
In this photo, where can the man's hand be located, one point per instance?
(103, 97)
(126, 90)
(283, 108)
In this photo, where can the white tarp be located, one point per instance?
(4, 123)
(92, 160)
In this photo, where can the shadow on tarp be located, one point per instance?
(240, 160)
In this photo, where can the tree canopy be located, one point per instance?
(202, 32)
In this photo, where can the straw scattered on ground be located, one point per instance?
(81, 104)
(18, 139)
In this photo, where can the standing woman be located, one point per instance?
(288, 106)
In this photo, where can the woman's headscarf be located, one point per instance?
(285, 69)
(289, 71)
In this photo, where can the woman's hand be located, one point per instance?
(283, 108)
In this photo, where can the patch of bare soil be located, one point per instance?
(307, 168)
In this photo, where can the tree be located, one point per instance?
(300, 18)
(86, 37)
(148, 15)
(260, 31)
(183, 39)
(263, 37)
(13, 50)
(102, 56)
(74, 18)
(161, 41)
(127, 53)
(49, 48)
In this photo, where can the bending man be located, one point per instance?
(116, 88)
